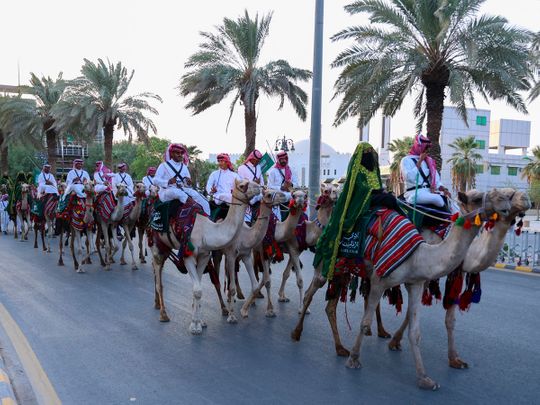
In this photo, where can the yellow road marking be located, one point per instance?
(41, 385)
(3, 377)
(8, 401)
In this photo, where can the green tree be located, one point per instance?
(434, 48)
(531, 171)
(400, 148)
(22, 158)
(534, 195)
(228, 62)
(464, 161)
(31, 118)
(97, 101)
(148, 155)
(535, 57)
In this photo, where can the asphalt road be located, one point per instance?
(98, 339)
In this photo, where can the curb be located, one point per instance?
(524, 269)
(6, 391)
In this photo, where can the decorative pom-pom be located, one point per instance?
(454, 217)
(495, 216)
(460, 221)
(477, 220)
(467, 224)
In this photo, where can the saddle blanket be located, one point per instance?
(300, 231)
(390, 240)
(105, 204)
(78, 210)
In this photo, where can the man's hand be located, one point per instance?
(172, 180)
(422, 157)
(48, 183)
(187, 181)
(445, 191)
(213, 189)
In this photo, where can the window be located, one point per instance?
(512, 171)
(495, 170)
(481, 120)
(335, 172)
(479, 169)
(481, 143)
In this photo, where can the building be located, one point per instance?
(503, 144)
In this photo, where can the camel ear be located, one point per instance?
(463, 197)
(323, 187)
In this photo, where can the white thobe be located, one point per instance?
(223, 181)
(74, 181)
(413, 179)
(180, 191)
(4, 216)
(123, 178)
(148, 182)
(44, 188)
(276, 178)
(99, 182)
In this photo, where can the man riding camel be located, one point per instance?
(123, 177)
(76, 179)
(102, 177)
(148, 180)
(220, 185)
(281, 177)
(46, 182)
(251, 170)
(174, 179)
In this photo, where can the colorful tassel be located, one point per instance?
(467, 224)
(477, 220)
(454, 217)
(495, 216)
(427, 298)
(460, 221)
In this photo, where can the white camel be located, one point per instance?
(129, 222)
(78, 229)
(23, 212)
(206, 236)
(426, 263)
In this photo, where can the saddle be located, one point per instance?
(420, 220)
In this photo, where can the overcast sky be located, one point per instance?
(156, 37)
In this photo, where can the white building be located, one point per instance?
(502, 143)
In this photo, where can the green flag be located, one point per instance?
(266, 162)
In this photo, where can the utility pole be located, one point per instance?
(316, 93)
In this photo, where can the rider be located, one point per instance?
(251, 170)
(4, 214)
(174, 179)
(220, 185)
(281, 177)
(76, 179)
(419, 172)
(148, 180)
(122, 177)
(46, 182)
(102, 177)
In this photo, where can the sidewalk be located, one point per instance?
(525, 269)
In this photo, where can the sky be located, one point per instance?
(155, 38)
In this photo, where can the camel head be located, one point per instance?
(273, 197)
(61, 188)
(329, 195)
(299, 199)
(493, 201)
(153, 191)
(519, 201)
(140, 191)
(25, 188)
(89, 188)
(121, 190)
(245, 189)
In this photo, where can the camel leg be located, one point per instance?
(61, 245)
(239, 292)
(159, 303)
(415, 297)
(50, 230)
(108, 249)
(374, 297)
(127, 231)
(381, 332)
(267, 281)
(36, 231)
(295, 257)
(140, 231)
(42, 232)
(316, 283)
(98, 246)
(15, 230)
(230, 260)
(330, 310)
(74, 234)
(195, 326)
(395, 342)
(453, 357)
(284, 278)
(216, 258)
(248, 263)
(122, 258)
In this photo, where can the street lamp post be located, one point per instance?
(315, 136)
(284, 144)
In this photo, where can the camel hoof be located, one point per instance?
(195, 328)
(260, 295)
(296, 334)
(143, 261)
(384, 334)
(157, 306)
(458, 363)
(240, 295)
(203, 324)
(35, 247)
(244, 313)
(270, 313)
(134, 267)
(79, 270)
(342, 352)
(232, 319)
(301, 309)
(60, 263)
(427, 383)
(367, 332)
(395, 346)
(164, 318)
(283, 299)
(224, 312)
(353, 361)
(123, 262)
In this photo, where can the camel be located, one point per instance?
(144, 220)
(425, 263)
(481, 255)
(104, 226)
(23, 212)
(79, 227)
(241, 248)
(314, 229)
(129, 222)
(284, 232)
(46, 224)
(206, 236)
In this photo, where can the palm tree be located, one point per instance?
(434, 48)
(228, 62)
(464, 162)
(97, 101)
(535, 56)
(531, 171)
(400, 148)
(30, 119)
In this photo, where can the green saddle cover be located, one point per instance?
(352, 243)
(37, 208)
(160, 217)
(62, 204)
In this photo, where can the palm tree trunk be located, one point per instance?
(4, 164)
(51, 149)
(108, 132)
(250, 120)
(434, 109)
